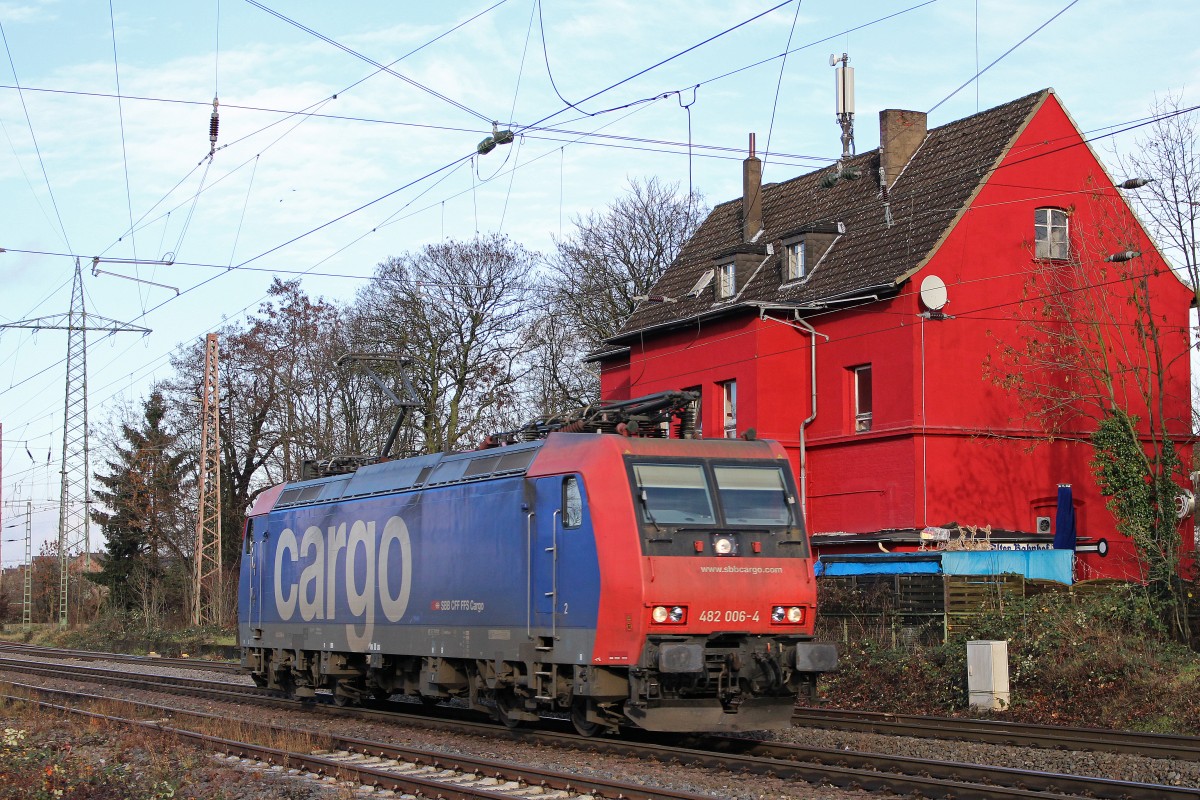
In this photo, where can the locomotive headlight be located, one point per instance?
(787, 615)
(723, 546)
(669, 615)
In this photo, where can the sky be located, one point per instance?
(325, 164)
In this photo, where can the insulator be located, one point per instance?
(503, 137)
(213, 123)
(486, 146)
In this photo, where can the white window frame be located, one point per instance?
(795, 261)
(863, 411)
(1051, 234)
(729, 409)
(726, 280)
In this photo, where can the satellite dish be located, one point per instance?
(933, 293)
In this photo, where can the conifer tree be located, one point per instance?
(143, 517)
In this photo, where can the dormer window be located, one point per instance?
(1050, 234)
(726, 280)
(795, 261)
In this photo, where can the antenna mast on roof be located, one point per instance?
(843, 81)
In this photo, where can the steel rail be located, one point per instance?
(92, 655)
(814, 765)
(1147, 745)
(1051, 782)
(320, 764)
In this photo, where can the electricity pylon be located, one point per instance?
(208, 586)
(75, 495)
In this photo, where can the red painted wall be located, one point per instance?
(946, 443)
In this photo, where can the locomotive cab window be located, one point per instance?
(572, 503)
(673, 494)
(249, 535)
(753, 495)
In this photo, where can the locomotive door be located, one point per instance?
(543, 556)
(256, 569)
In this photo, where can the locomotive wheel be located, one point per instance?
(508, 707)
(583, 726)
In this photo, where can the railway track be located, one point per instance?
(876, 772)
(367, 763)
(1149, 745)
(91, 655)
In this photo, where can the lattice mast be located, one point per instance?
(74, 493)
(27, 598)
(208, 585)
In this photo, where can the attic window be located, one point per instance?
(1050, 234)
(726, 280)
(795, 262)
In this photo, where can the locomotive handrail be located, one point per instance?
(553, 551)
(529, 575)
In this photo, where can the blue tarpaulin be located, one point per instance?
(1053, 565)
(838, 568)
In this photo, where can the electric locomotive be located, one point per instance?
(632, 580)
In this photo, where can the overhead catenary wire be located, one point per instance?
(560, 150)
(369, 60)
(1002, 56)
(1109, 130)
(124, 150)
(33, 137)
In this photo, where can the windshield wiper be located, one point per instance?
(646, 508)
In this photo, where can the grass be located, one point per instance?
(47, 755)
(1095, 661)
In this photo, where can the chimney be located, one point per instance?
(900, 134)
(751, 195)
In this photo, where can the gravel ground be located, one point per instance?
(654, 774)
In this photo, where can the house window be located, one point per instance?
(726, 280)
(729, 393)
(696, 412)
(795, 265)
(862, 398)
(1050, 233)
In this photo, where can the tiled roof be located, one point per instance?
(935, 186)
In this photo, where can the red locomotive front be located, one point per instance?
(707, 600)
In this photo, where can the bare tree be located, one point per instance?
(459, 313)
(1091, 361)
(617, 255)
(596, 272)
(1170, 155)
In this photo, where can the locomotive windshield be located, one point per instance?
(712, 494)
(753, 495)
(673, 494)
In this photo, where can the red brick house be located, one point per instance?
(798, 311)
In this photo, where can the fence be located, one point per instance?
(924, 608)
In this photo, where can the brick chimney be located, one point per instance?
(751, 195)
(900, 134)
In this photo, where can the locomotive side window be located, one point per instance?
(672, 494)
(572, 503)
(753, 495)
(249, 534)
